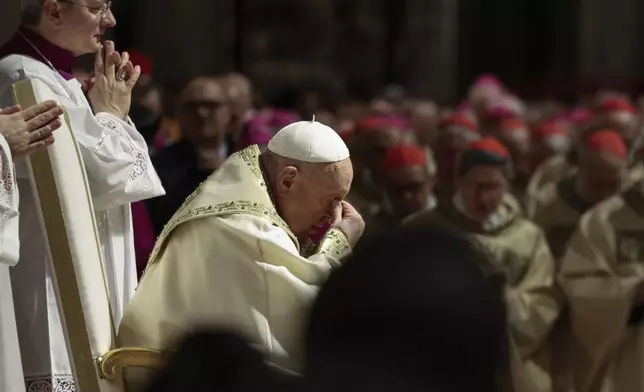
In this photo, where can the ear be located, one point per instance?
(52, 11)
(286, 179)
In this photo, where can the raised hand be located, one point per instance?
(351, 224)
(114, 79)
(30, 129)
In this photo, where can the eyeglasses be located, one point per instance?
(102, 9)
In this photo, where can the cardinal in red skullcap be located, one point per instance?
(600, 271)
(549, 139)
(454, 135)
(515, 136)
(372, 137)
(408, 186)
(484, 209)
(619, 114)
(602, 171)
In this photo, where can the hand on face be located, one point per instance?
(350, 222)
(30, 129)
(108, 93)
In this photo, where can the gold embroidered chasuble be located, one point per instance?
(558, 208)
(549, 172)
(227, 259)
(600, 275)
(519, 250)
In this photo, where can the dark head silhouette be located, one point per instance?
(416, 309)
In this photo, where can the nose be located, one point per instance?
(203, 112)
(109, 20)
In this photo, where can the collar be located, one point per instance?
(568, 190)
(62, 59)
(493, 222)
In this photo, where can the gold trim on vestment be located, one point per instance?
(61, 254)
(335, 244)
(250, 156)
(112, 363)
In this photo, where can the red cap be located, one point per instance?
(608, 141)
(615, 105)
(548, 129)
(138, 58)
(489, 145)
(461, 121)
(375, 122)
(404, 155)
(512, 124)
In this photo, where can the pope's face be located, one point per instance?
(80, 24)
(309, 197)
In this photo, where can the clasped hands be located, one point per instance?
(109, 90)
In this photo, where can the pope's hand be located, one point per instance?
(31, 129)
(351, 223)
(114, 79)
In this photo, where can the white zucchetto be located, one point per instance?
(309, 141)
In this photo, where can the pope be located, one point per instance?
(230, 256)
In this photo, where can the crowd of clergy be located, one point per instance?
(232, 211)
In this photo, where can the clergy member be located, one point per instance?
(43, 50)
(203, 117)
(21, 132)
(371, 138)
(548, 140)
(454, 135)
(602, 276)
(230, 257)
(601, 171)
(517, 247)
(408, 187)
(515, 136)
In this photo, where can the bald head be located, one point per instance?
(203, 113)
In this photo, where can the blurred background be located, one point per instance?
(434, 48)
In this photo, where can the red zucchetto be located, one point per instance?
(485, 152)
(608, 141)
(403, 156)
(615, 105)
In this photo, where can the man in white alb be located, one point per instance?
(21, 133)
(43, 50)
(233, 255)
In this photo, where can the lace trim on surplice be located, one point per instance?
(49, 383)
(7, 190)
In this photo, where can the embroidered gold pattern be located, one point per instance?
(334, 244)
(250, 156)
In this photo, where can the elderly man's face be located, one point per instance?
(203, 113)
(375, 143)
(80, 24)
(482, 189)
(600, 175)
(309, 197)
(409, 190)
(449, 146)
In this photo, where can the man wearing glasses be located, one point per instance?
(115, 155)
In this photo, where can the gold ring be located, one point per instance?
(120, 75)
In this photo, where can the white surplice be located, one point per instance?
(120, 172)
(11, 378)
